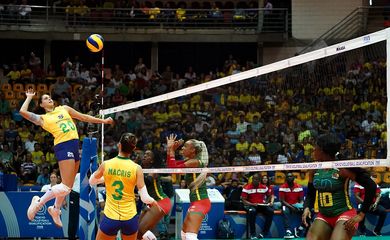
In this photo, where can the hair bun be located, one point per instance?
(329, 143)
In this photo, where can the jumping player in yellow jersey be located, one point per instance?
(195, 155)
(59, 122)
(120, 175)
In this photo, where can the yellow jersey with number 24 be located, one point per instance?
(60, 124)
(120, 178)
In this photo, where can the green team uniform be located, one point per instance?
(154, 188)
(332, 198)
(198, 193)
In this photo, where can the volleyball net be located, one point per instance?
(267, 118)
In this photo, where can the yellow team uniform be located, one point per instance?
(60, 125)
(120, 176)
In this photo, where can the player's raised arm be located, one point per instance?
(32, 117)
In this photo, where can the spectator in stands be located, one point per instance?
(368, 124)
(284, 155)
(37, 154)
(60, 87)
(302, 178)
(254, 157)
(19, 158)
(241, 126)
(140, 65)
(14, 74)
(28, 170)
(34, 61)
(375, 209)
(273, 147)
(16, 143)
(30, 143)
(242, 145)
(24, 132)
(53, 181)
(6, 156)
(232, 194)
(190, 75)
(82, 13)
(291, 196)
(183, 184)
(25, 74)
(73, 75)
(51, 73)
(181, 13)
(24, 12)
(266, 180)
(11, 133)
(43, 177)
(254, 196)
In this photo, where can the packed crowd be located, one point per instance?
(263, 120)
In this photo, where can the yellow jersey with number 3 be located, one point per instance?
(120, 178)
(60, 124)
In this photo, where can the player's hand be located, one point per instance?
(306, 214)
(350, 224)
(171, 141)
(108, 120)
(30, 93)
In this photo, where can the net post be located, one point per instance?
(388, 91)
(87, 215)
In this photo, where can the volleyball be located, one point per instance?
(95, 43)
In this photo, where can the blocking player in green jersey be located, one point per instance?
(328, 191)
(153, 214)
(195, 156)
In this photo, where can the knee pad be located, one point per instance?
(60, 190)
(191, 236)
(183, 235)
(149, 236)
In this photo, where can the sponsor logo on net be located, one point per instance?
(356, 163)
(303, 166)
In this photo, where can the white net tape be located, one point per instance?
(365, 163)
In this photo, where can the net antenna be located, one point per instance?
(343, 47)
(101, 112)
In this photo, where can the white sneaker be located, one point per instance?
(288, 235)
(33, 208)
(56, 215)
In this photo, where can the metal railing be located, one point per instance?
(353, 25)
(47, 17)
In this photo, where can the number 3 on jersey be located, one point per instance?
(118, 185)
(66, 127)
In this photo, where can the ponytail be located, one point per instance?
(203, 156)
